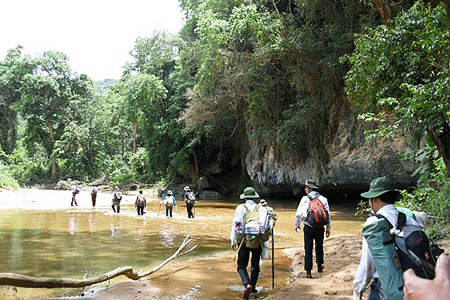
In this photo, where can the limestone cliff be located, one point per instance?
(350, 162)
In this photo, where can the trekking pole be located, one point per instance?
(239, 248)
(273, 262)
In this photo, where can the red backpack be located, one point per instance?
(317, 215)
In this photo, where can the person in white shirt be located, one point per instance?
(250, 196)
(312, 234)
(382, 196)
(169, 202)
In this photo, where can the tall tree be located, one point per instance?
(52, 96)
(142, 93)
(12, 70)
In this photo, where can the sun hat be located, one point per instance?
(379, 186)
(187, 188)
(262, 202)
(249, 193)
(311, 183)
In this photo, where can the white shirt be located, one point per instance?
(239, 216)
(302, 209)
(366, 269)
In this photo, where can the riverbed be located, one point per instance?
(43, 236)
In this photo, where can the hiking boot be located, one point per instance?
(320, 268)
(247, 291)
(308, 275)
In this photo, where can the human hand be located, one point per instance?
(233, 247)
(297, 229)
(438, 288)
(327, 234)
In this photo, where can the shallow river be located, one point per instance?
(41, 235)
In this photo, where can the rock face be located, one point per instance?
(350, 163)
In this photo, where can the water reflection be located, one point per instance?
(92, 222)
(167, 236)
(116, 231)
(72, 224)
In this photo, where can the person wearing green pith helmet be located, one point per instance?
(382, 195)
(249, 228)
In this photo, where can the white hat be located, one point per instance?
(421, 218)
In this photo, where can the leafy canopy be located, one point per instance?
(400, 72)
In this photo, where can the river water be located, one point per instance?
(42, 236)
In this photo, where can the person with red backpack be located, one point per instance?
(313, 211)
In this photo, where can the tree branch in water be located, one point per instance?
(44, 282)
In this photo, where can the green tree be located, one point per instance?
(154, 55)
(52, 96)
(400, 76)
(143, 94)
(12, 70)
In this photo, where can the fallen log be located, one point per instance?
(19, 280)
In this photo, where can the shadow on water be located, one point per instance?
(83, 241)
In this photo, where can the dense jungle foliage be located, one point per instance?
(238, 73)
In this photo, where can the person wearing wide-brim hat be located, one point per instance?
(270, 211)
(312, 233)
(189, 200)
(250, 196)
(382, 195)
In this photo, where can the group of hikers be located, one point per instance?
(397, 259)
(169, 201)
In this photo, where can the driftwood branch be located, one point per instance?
(43, 282)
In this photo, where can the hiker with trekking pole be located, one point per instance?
(250, 229)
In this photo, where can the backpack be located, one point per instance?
(413, 248)
(385, 257)
(140, 200)
(168, 201)
(190, 198)
(317, 215)
(118, 196)
(250, 232)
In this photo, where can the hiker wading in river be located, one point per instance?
(250, 228)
